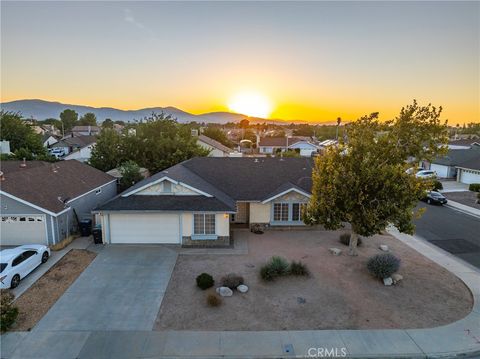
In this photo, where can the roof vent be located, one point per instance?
(24, 163)
(256, 160)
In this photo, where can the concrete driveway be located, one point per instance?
(122, 289)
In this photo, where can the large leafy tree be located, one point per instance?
(157, 142)
(24, 142)
(218, 135)
(69, 119)
(107, 153)
(89, 119)
(130, 174)
(364, 181)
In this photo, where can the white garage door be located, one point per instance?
(442, 171)
(18, 230)
(470, 177)
(144, 228)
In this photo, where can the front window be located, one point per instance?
(297, 210)
(280, 212)
(2, 266)
(204, 223)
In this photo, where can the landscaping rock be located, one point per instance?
(384, 247)
(388, 281)
(301, 300)
(242, 288)
(396, 278)
(224, 291)
(335, 251)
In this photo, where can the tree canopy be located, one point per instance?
(158, 142)
(218, 135)
(130, 174)
(89, 119)
(364, 181)
(69, 119)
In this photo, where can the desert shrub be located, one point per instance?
(345, 239)
(275, 267)
(214, 300)
(299, 268)
(205, 281)
(8, 312)
(437, 185)
(383, 265)
(474, 187)
(232, 280)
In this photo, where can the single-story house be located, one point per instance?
(197, 201)
(446, 166)
(469, 171)
(216, 148)
(81, 154)
(42, 202)
(270, 145)
(48, 140)
(74, 143)
(86, 130)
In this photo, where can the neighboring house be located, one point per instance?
(74, 143)
(463, 144)
(5, 147)
(270, 145)
(196, 201)
(81, 154)
(86, 130)
(216, 148)
(42, 202)
(48, 140)
(446, 166)
(469, 171)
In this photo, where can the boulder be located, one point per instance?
(384, 247)
(224, 291)
(335, 251)
(242, 288)
(388, 281)
(396, 278)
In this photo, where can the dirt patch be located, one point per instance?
(340, 294)
(39, 298)
(468, 198)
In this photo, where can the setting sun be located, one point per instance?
(252, 104)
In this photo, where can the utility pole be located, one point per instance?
(339, 121)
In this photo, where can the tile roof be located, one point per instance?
(214, 143)
(43, 183)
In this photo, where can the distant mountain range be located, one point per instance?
(41, 110)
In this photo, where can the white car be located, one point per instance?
(18, 262)
(426, 174)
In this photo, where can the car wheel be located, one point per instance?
(429, 201)
(15, 281)
(44, 257)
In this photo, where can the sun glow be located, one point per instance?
(250, 103)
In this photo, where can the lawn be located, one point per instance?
(340, 293)
(40, 297)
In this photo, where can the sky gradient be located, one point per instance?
(314, 61)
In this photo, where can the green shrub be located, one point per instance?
(8, 312)
(214, 300)
(437, 185)
(275, 267)
(232, 280)
(474, 187)
(383, 265)
(345, 239)
(299, 268)
(205, 281)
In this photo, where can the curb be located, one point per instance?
(463, 208)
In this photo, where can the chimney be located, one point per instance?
(24, 163)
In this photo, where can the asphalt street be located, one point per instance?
(451, 230)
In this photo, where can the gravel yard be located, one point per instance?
(467, 198)
(37, 300)
(340, 294)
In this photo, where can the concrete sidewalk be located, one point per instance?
(461, 338)
(463, 208)
(55, 256)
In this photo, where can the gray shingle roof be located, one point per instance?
(457, 157)
(166, 203)
(227, 179)
(214, 143)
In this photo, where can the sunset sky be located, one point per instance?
(310, 61)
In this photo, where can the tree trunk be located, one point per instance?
(353, 244)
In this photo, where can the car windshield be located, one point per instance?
(2, 266)
(436, 194)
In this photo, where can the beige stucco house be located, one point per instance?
(199, 201)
